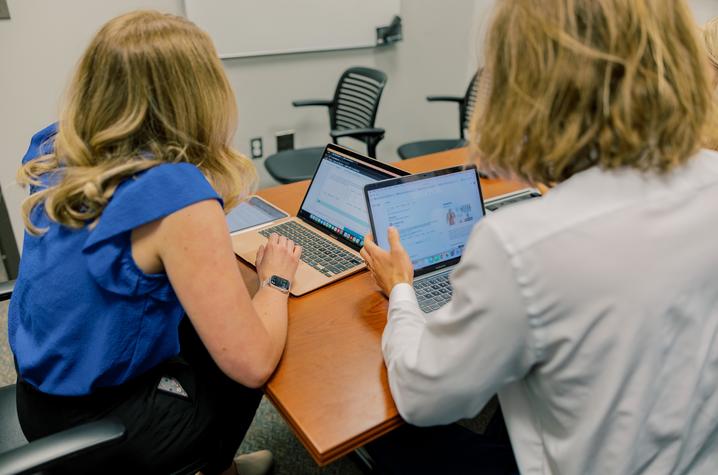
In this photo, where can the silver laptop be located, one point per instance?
(331, 222)
(434, 213)
(499, 202)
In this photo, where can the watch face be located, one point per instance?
(280, 282)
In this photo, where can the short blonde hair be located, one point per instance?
(149, 89)
(582, 83)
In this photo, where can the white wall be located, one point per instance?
(432, 59)
(40, 45)
(704, 10)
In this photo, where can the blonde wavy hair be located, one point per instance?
(149, 89)
(582, 83)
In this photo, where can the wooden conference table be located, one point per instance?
(331, 384)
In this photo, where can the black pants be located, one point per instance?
(450, 449)
(164, 432)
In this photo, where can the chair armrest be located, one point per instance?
(313, 102)
(6, 289)
(444, 99)
(45, 452)
(373, 132)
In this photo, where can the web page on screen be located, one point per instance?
(434, 216)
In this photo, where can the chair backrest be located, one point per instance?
(8, 247)
(467, 106)
(356, 99)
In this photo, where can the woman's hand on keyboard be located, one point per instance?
(388, 268)
(279, 256)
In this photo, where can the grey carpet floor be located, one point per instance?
(268, 431)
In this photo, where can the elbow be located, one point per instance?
(414, 408)
(254, 382)
(408, 414)
(415, 415)
(256, 368)
(424, 406)
(258, 376)
(419, 402)
(251, 374)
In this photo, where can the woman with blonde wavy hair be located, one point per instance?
(593, 311)
(129, 302)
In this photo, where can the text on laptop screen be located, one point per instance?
(335, 199)
(434, 216)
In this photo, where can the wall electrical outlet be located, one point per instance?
(256, 147)
(285, 140)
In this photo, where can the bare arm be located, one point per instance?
(193, 246)
(278, 257)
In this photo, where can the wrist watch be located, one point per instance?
(279, 283)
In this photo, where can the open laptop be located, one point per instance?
(331, 222)
(434, 213)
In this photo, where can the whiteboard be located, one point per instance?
(242, 28)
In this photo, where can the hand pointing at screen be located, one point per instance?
(388, 267)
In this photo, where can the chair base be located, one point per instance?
(426, 147)
(294, 165)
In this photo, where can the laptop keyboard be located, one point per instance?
(433, 292)
(317, 252)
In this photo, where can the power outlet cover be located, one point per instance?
(4, 10)
(256, 147)
(285, 140)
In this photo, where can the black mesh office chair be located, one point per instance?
(466, 104)
(18, 456)
(352, 113)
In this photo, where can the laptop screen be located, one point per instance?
(434, 214)
(335, 199)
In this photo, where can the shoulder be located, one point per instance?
(519, 225)
(168, 183)
(595, 199)
(152, 195)
(41, 143)
(705, 164)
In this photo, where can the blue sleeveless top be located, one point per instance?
(83, 315)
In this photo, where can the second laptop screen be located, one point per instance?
(335, 199)
(434, 216)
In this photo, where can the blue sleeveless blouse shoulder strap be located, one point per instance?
(41, 143)
(154, 194)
